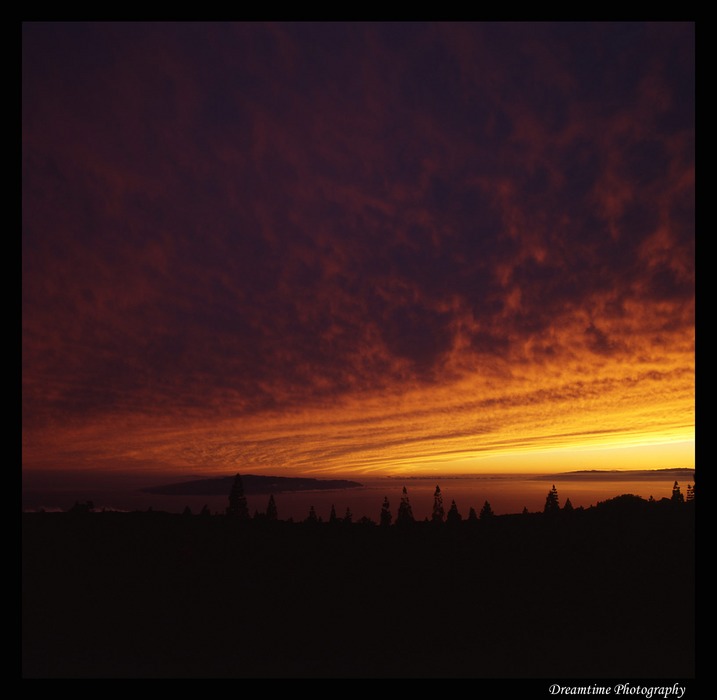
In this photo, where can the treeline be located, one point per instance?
(238, 508)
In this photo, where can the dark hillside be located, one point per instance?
(597, 593)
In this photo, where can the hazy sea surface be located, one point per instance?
(505, 493)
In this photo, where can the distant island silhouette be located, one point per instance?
(253, 484)
(683, 473)
(669, 472)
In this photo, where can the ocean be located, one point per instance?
(506, 493)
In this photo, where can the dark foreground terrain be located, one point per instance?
(595, 594)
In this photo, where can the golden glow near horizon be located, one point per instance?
(554, 422)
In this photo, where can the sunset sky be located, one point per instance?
(358, 248)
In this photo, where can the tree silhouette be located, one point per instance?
(348, 516)
(568, 507)
(271, 511)
(552, 503)
(311, 517)
(438, 512)
(332, 516)
(690, 493)
(405, 512)
(453, 515)
(677, 497)
(237, 500)
(472, 515)
(486, 512)
(386, 517)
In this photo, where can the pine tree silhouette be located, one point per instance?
(486, 512)
(311, 518)
(568, 507)
(453, 516)
(237, 500)
(552, 503)
(271, 511)
(438, 513)
(472, 515)
(690, 493)
(386, 517)
(677, 497)
(348, 516)
(332, 516)
(405, 512)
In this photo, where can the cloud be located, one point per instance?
(225, 219)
